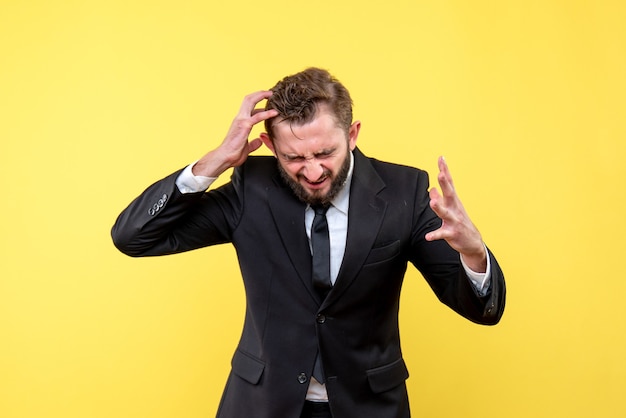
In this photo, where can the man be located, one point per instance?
(323, 235)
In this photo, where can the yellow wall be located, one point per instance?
(526, 99)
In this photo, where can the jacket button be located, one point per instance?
(302, 378)
(321, 318)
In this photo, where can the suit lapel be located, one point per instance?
(365, 216)
(288, 213)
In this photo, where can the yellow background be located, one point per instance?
(526, 99)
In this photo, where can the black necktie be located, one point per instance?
(321, 251)
(320, 243)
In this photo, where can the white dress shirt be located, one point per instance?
(337, 218)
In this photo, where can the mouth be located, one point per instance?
(317, 184)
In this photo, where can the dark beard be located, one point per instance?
(336, 185)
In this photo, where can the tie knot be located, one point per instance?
(320, 209)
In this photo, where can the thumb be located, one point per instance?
(435, 235)
(254, 145)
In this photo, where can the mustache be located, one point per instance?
(326, 174)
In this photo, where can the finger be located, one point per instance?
(259, 115)
(433, 193)
(443, 166)
(251, 100)
(445, 179)
(257, 96)
(436, 203)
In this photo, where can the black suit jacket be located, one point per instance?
(356, 326)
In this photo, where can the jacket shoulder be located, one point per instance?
(390, 175)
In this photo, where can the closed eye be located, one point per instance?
(325, 153)
(293, 158)
(318, 155)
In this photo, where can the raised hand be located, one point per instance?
(235, 148)
(457, 228)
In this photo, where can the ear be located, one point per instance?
(353, 134)
(265, 138)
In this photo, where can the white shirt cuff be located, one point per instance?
(188, 183)
(480, 281)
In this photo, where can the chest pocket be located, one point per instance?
(383, 253)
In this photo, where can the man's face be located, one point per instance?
(314, 158)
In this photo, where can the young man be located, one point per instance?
(323, 235)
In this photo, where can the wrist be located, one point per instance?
(211, 165)
(476, 261)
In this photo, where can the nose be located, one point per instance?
(313, 170)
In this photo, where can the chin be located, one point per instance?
(318, 193)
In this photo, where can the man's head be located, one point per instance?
(313, 134)
(297, 98)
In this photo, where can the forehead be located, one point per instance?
(323, 131)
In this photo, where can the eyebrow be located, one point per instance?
(323, 153)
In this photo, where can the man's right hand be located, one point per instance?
(235, 148)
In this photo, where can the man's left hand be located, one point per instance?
(457, 228)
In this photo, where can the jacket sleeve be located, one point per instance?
(441, 267)
(162, 220)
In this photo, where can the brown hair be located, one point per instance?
(297, 97)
